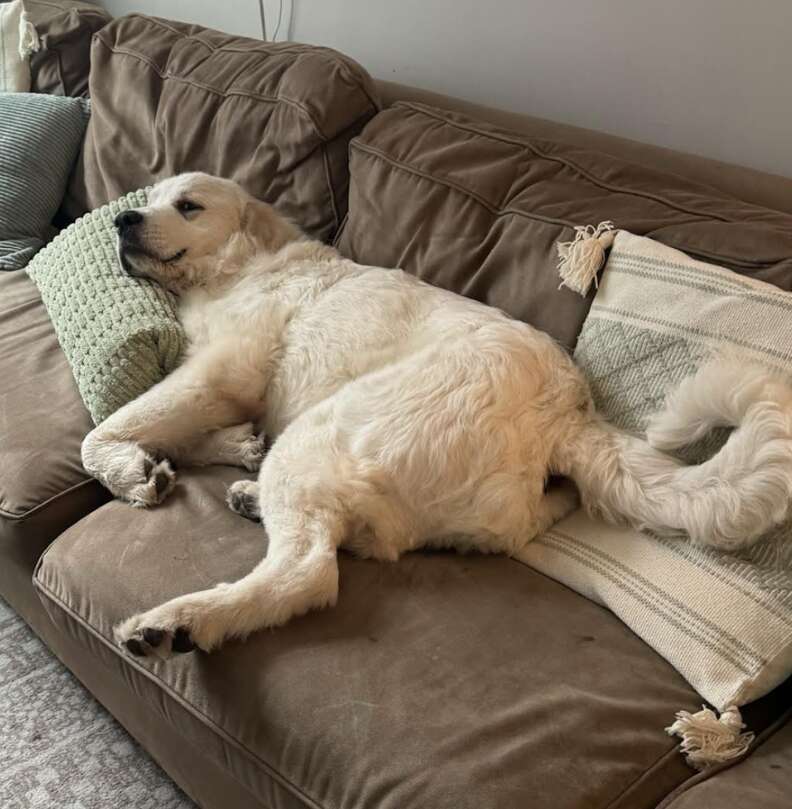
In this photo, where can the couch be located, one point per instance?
(441, 681)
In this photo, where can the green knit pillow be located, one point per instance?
(120, 334)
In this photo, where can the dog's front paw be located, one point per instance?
(153, 482)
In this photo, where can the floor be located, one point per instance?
(58, 746)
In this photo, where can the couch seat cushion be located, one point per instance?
(442, 680)
(43, 488)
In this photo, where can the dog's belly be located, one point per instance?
(372, 320)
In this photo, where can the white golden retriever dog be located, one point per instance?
(401, 416)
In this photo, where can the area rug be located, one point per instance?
(58, 746)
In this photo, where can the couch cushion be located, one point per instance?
(40, 136)
(170, 97)
(441, 680)
(43, 488)
(478, 209)
(64, 28)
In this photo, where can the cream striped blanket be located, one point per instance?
(723, 621)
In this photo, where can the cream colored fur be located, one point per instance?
(402, 416)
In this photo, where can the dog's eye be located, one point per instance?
(185, 206)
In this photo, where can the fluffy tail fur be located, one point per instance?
(727, 502)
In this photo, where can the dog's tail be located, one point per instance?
(727, 502)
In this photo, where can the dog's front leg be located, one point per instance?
(129, 451)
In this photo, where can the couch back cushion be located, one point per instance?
(477, 209)
(64, 28)
(171, 97)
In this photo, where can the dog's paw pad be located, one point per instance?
(150, 641)
(243, 499)
(135, 647)
(158, 480)
(182, 642)
(153, 637)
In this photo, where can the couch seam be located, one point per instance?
(166, 688)
(88, 12)
(334, 57)
(340, 231)
(367, 148)
(18, 516)
(529, 142)
(167, 75)
(331, 190)
(649, 771)
(373, 151)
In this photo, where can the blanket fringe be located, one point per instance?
(708, 739)
(28, 37)
(580, 260)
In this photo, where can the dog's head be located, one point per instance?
(195, 230)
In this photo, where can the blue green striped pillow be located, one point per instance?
(40, 137)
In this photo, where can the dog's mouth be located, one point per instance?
(128, 250)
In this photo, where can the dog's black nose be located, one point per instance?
(127, 219)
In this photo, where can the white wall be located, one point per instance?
(712, 77)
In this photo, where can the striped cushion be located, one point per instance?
(724, 621)
(40, 137)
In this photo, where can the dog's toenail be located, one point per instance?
(134, 646)
(153, 636)
(182, 642)
(161, 482)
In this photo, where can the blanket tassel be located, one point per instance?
(580, 260)
(28, 37)
(708, 739)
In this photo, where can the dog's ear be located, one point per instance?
(265, 226)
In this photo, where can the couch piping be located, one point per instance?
(165, 688)
(333, 56)
(86, 10)
(529, 143)
(648, 773)
(366, 148)
(329, 181)
(222, 94)
(21, 515)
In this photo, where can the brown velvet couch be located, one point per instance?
(440, 682)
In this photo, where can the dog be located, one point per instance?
(401, 416)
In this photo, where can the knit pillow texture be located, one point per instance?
(121, 335)
(40, 137)
(724, 620)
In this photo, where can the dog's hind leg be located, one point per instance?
(303, 497)
(299, 573)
